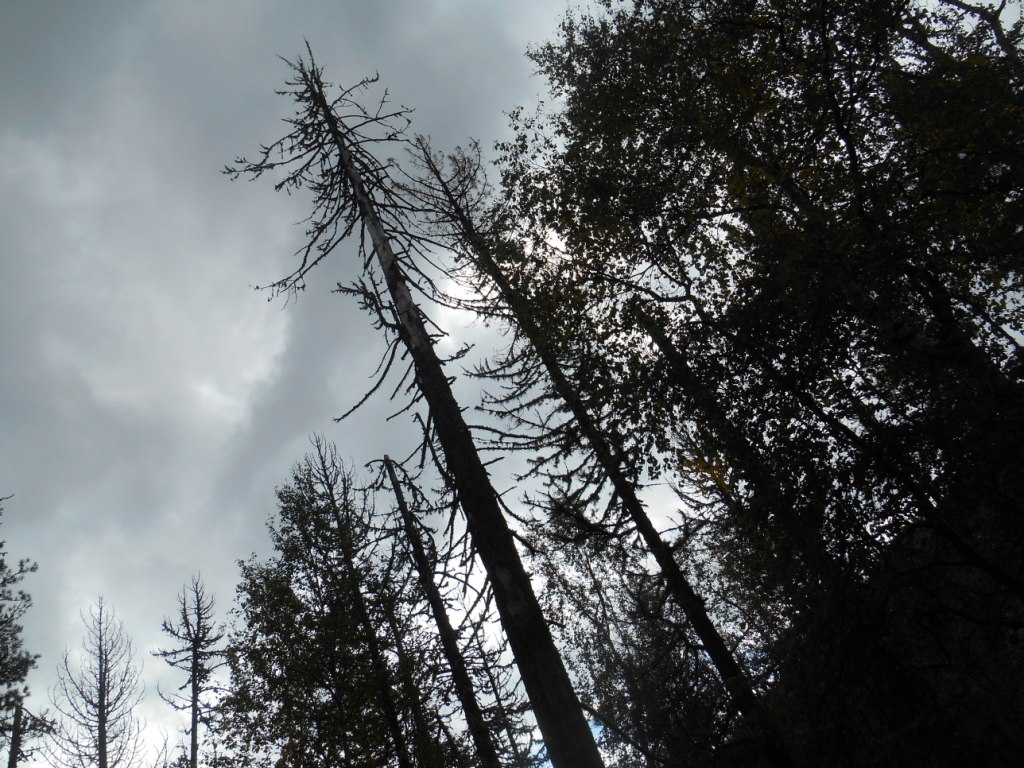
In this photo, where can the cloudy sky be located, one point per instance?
(151, 398)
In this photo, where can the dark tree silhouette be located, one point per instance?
(328, 664)
(487, 754)
(199, 654)
(455, 193)
(777, 247)
(16, 725)
(328, 152)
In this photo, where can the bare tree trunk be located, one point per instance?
(504, 719)
(16, 727)
(567, 734)
(731, 673)
(486, 753)
(101, 708)
(427, 750)
(193, 746)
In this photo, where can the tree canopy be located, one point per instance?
(328, 664)
(779, 247)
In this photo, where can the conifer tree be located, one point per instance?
(328, 663)
(199, 654)
(96, 697)
(15, 660)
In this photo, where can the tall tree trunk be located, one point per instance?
(426, 749)
(102, 705)
(486, 753)
(730, 671)
(567, 734)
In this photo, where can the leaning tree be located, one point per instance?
(330, 151)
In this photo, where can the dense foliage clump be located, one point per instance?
(795, 230)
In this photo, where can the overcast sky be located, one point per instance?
(151, 398)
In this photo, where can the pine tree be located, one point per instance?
(328, 666)
(15, 660)
(198, 654)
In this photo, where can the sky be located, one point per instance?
(152, 398)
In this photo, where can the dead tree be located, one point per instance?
(95, 701)
(328, 152)
(197, 654)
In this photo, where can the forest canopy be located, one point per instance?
(758, 273)
(770, 254)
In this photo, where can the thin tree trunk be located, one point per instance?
(385, 694)
(732, 675)
(101, 703)
(193, 754)
(426, 747)
(486, 752)
(461, 761)
(504, 719)
(567, 734)
(16, 727)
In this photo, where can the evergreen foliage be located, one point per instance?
(16, 725)
(779, 247)
(329, 664)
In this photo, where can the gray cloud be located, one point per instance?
(152, 399)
